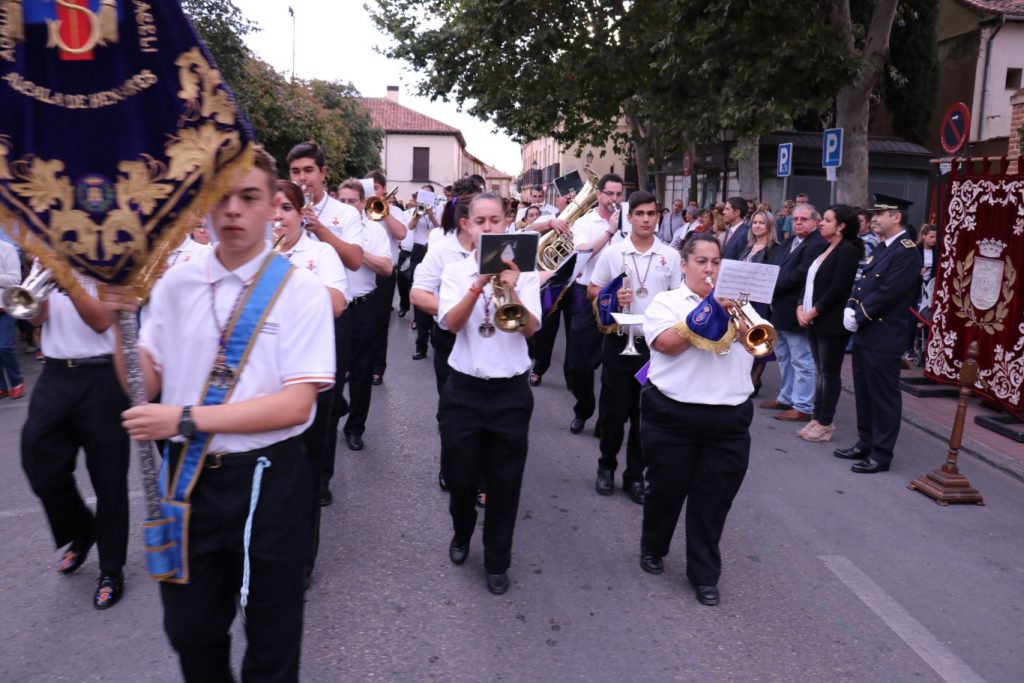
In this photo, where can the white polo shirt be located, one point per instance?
(587, 228)
(547, 212)
(66, 335)
(695, 375)
(295, 344)
(439, 255)
(189, 250)
(396, 245)
(375, 241)
(341, 219)
(321, 260)
(657, 270)
(503, 354)
(421, 231)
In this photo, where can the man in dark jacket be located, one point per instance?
(793, 349)
(877, 315)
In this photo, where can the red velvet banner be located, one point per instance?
(979, 291)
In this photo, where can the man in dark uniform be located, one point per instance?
(877, 314)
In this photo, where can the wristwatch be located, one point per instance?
(186, 427)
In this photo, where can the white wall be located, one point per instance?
(1007, 52)
(445, 161)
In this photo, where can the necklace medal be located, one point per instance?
(641, 292)
(222, 376)
(486, 329)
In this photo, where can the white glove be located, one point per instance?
(850, 320)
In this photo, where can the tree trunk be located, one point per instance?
(748, 168)
(853, 105)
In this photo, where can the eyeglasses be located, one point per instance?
(608, 193)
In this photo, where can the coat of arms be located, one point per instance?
(986, 278)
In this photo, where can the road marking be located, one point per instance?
(912, 632)
(24, 512)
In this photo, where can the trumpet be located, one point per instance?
(378, 208)
(307, 196)
(421, 209)
(23, 301)
(630, 349)
(761, 337)
(509, 316)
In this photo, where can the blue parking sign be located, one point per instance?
(784, 166)
(832, 148)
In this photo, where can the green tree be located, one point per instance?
(341, 101)
(911, 82)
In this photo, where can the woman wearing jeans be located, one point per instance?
(826, 291)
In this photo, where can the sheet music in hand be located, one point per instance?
(755, 281)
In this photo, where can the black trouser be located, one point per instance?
(828, 352)
(339, 406)
(484, 436)
(384, 297)
(584, 358)
(424, 321)
(698, 452)
(404, 275)
(876, 389)
(314, 441)
(442, 341)
(620, 401)
(198, 616)
(74, 408)
(365, 315)
(543, 343)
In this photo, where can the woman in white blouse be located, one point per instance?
(486, 404)
(695, 414)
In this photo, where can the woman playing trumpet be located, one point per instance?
(695, 414)
(486, 403)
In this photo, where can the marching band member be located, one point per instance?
(695, 415)
(321, 260)
(77, 403)
(652, 268)
(486, 403)
(365, 312)
(340, 227)
(592, 232)
(189, 248)
(395, 225)
(250, 494)
(420, 226)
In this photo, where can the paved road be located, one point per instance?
(829, 576)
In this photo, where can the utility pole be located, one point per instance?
(292, 13)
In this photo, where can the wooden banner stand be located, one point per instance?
(946, 485)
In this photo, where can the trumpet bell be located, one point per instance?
(509, 316)
(760, 340)
(23, 301)
(378, 208)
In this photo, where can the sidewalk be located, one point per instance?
(936, 415)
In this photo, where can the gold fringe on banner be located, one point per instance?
(720, 346)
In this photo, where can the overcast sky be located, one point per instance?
(335, 41)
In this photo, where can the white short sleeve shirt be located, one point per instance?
(341, 219)
(657, 270)
(503, 354)
(587, 228)
(375, 241)
(66, 335)
(439, 255)
(294, 346)
(190, 250)
(321, 260)
(695, 375)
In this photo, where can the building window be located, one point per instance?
(420, 164)
(1013, 79)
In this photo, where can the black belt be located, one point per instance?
(91, 361)
(219, 459)
(361, 299)
(491, 382)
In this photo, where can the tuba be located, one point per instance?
(378, 208)
(554, 247)
(23, 301)
(509, 316)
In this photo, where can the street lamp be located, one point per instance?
(590, 158)
(534, 173)
(728, 138)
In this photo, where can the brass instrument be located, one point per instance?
(23, 301)
(761, 337)
(307, 196)
(378, 208)
(421, 209)
(554, 247)
(509, 316)
(630, 349)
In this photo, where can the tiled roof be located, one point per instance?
(1014, 7)
(392, 117)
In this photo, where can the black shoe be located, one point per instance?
(419, 355)
(109, 589)
(577, 425)
(458, 552)
(852, 453)
(651, 563)
(481, 499)
(636, 492)
(74, 556)
(402, 312)
(707, 595)
(354, 441)
(605, 482)
(868, 466)
(497, 583)
(377, 380)
(326, 497)
(441, 481)
(535, 379)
